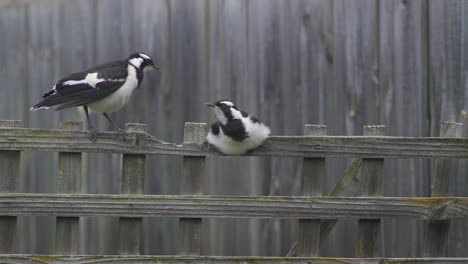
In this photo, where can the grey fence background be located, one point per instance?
(343, 63)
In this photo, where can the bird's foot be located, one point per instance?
(121, 132)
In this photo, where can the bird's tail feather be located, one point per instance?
(79, 95)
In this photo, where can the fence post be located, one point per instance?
(368, 243)
(313, 172)
(437, 230)
(133, 178)
(67, 240)
(9, 174)
(193, 171)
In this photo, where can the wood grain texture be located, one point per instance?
(133, 182)
(233, 73)
(437, 231)
(404, 105)
(67, 235)
(313, 174)
(9, 174)
(233, 206)
(288, 62)
(54, 259)
(447, 66)
(193, 171)
(369, 230)
(292, 146)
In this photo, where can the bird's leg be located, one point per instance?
(90, 127)
(116, 127)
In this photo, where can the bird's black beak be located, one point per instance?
(210, 105)
(154, 67)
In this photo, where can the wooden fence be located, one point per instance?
(316, 214)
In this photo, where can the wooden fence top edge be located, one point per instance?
(43, 132)
(19, 258)
(27, 139)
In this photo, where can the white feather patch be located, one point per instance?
(91, 79)
(228, 103)
(136, 62)
(37, 108)
(120, 97)
(144, 56)
(236, 113)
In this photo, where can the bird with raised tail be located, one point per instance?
(104, 88)
(236, 132)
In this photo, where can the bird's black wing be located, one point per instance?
(88, 96)
(235, 130)
(76, 90)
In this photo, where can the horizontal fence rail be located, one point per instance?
(316, 214)
(232, 207)
(33, 259)
(25, 139)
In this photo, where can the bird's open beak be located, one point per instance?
(210, 105)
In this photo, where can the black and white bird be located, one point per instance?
(104, 88)
(235, 132)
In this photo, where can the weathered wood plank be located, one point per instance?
(55, 259)
(437, 230)
(294, 146)
(233, 206)
(404, 105)
(193, 170)
(448, 66)
(67, 235)
(313, 173)
(133, 177)
(9, 174)
(372, 170)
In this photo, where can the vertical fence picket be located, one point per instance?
(313, 172)
(67, 233)
(437, 230)
(191, 183)
(133, 177)
(9, 174)
(368, 243)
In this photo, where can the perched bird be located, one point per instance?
(235, 132)
(104, 88)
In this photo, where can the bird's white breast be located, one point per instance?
(120, 97)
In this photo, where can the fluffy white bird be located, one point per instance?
(104, 88)
(235, 132)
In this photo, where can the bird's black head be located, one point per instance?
(225, 111)
(142, 61)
